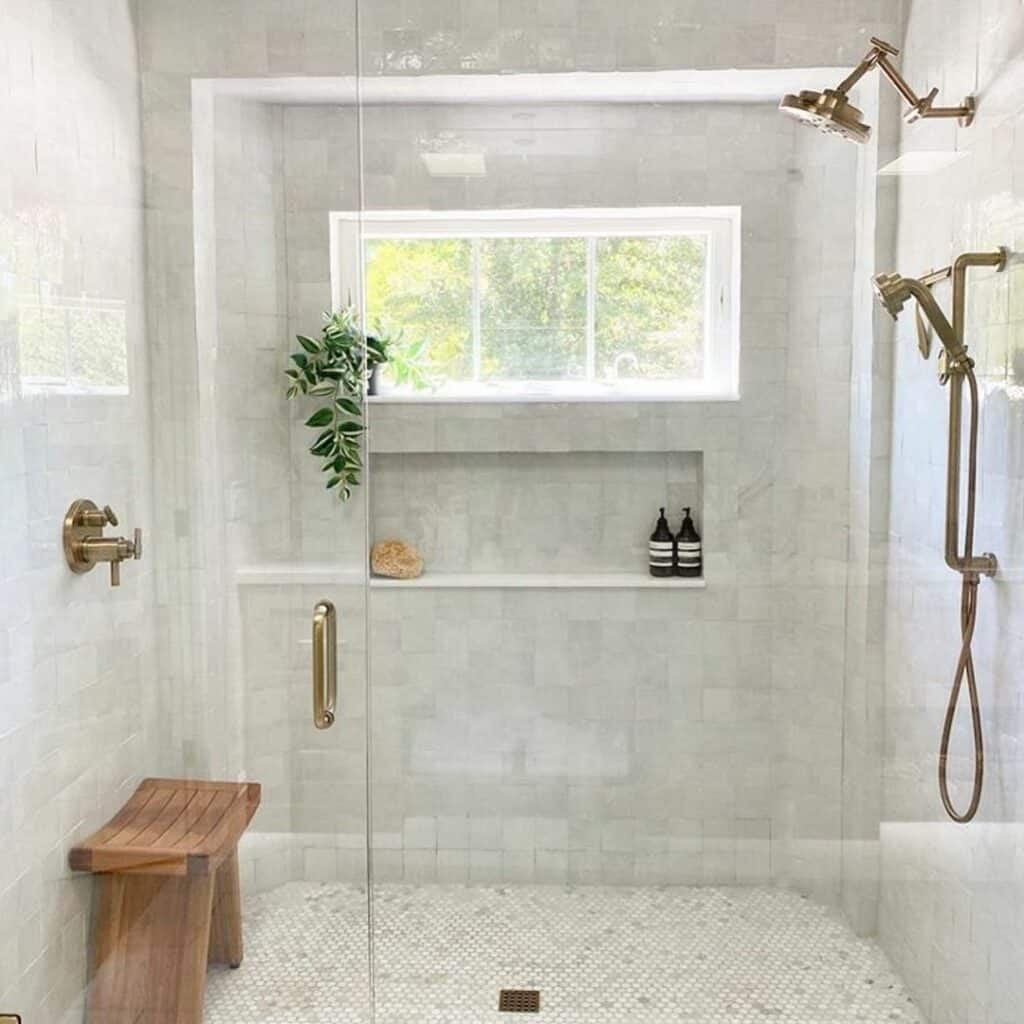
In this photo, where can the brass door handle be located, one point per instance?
(325, 664)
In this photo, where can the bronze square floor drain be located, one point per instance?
(519, 1000)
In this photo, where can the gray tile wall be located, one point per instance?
(78, 691)
(756, 707)
(952, 895)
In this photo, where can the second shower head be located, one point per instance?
(892, 292)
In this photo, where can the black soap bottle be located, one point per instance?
(689, 561)
(661, 548)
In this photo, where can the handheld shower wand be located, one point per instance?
(955, 366)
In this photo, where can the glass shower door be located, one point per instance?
(285, 617)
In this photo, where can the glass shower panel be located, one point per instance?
(589, 788)
(272, 554)
(287, 428)
(165, 197)
(587, 783)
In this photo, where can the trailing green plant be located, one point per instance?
(333, 367)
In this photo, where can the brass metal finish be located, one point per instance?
(9, 1018)
(85, 546)
(956, 367)
(832, 112)
(829, 111)
(325, 664)
(519, 1000)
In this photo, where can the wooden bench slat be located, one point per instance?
(194, 840)
(165, 820)
(141, 819)
(131, 808)
(196, 808)
(235, 821)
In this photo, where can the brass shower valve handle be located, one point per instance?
(85, 546)
(99, 517)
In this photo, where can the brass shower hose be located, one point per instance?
(968, 617)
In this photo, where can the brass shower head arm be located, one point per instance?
(870, 60)
(934, 277)
(920, 106)
(996, 258)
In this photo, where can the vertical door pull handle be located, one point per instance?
(325, 664)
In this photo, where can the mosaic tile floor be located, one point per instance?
(598, 955)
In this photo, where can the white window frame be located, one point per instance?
(720, 225)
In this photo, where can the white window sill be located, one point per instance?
(540, 581)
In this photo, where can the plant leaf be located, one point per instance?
(353, 408)
(320, 418)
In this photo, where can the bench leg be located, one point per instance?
(150, 946)
(226, 923)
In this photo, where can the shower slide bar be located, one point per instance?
(955, 368)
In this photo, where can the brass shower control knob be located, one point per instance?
(85, 546)
(99, 517)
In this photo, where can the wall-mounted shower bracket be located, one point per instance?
(85, 546)
(921, 107)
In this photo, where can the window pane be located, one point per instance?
(42, 342)
(422, 289)
(649, 308)
(98, 346)
(533, 315)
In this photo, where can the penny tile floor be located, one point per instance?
(598, 955)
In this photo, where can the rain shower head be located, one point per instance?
(829, 111)
(832, 112)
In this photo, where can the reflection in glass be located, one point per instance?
(77, 346)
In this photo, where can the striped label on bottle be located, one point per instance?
(688, 558)
(661, 553)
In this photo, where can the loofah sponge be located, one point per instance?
(396, 559)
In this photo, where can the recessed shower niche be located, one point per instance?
(536, 514)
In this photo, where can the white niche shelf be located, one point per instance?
(295, 573)
(538, 581)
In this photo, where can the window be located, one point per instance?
(573, 303)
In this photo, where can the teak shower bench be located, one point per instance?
(168, 901)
